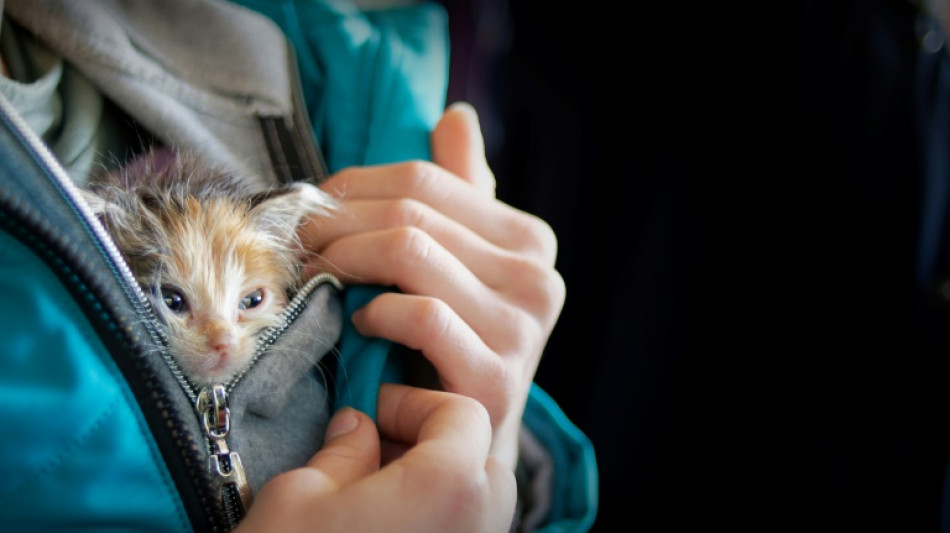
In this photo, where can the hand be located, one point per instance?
(479, 292)
(445, 481)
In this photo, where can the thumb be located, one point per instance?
(294, 498)
(351, 448)
(458, 146)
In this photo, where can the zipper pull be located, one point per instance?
(234, 490)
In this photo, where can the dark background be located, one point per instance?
(593, 121)
(737, 194)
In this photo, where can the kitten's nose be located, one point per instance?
(220, 340)
(222, 347)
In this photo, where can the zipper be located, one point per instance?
(295, 156)
(81, 276)
(211, 404)
(302, 161)
(105, 242)
(294, 307)
(225, 466)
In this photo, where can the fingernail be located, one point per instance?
(343, 422)
(462, 105)
(357, 316)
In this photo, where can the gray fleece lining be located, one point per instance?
(280, 409)
(180, 72)
(538, 468)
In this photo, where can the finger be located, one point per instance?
(437, 422)
(350, 452)
(495, 221)
(458, 146)
(494, 266)
(411, 260)
(465, 364)
(447, 472)
(504, 487)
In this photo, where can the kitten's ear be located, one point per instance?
(104, 207)
(98, 204)
(279, 212)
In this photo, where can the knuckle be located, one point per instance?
(471, 494)
(556, 292)
(472, 410)
(538, 288)
(418, 175)
(341, 455)
(464, 494)
(405, 212)
(434, 315)
(410, 247)
(525, 272)
(526, 338)
(534, 236)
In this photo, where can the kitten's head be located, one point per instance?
(217, 260)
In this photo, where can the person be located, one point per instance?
(477, 294)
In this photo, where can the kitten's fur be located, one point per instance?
(202, 245)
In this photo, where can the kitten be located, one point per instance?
(217, 260)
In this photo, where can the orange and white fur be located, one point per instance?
(217, 260)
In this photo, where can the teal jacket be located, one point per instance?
(91, 438)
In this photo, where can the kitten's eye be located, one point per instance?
(174, 300)
(252, 300)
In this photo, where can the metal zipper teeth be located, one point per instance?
(56, 249)
(68, 188)
(62, 256)
(230, 501)
(102, 237)
(290, 313)
(311, 162)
